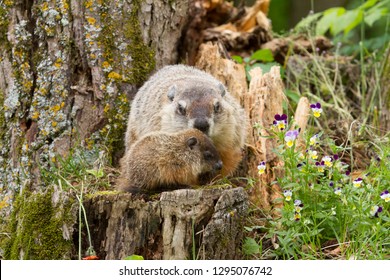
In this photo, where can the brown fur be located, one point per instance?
(160, 161)
(179, 97)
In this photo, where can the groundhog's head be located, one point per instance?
(210, 161)
(195, 105)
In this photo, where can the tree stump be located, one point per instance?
(182, 224)
(262, 99)
(213, 60)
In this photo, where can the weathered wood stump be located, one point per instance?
(182, 224)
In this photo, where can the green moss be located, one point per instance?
(142, 64)
(4, 140)
(36, 228)
(2, 117)
(143, 56)
(102, 193)
(4, 21)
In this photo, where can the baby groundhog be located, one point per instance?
(179, 97)
(165, 161)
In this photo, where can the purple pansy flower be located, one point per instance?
(261, 167)
(290, 137)
(287, 194)
(298, 205)
(375, 210)
(280, 121)
(316, 108)
(385, 195)
(357, 182)
(320, 166)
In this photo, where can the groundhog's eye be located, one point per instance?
(217, 107)
(207, 155)
(181, 108)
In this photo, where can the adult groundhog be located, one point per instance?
(178, 97)
(165, 161)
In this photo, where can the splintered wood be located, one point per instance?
(246, 29)
(262, 101)
(213, 60)
(301, 117)
(124, 225)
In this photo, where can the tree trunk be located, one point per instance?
(68, 69)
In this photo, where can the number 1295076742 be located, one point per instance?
(242, 270)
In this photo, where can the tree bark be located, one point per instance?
(264, 101)
(68, 70)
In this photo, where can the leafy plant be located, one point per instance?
(90, 167)
(342, 25)
(134, 258)
(251, 247)
(262, 58)
(337, 20)
(323, 203)
(82, 171)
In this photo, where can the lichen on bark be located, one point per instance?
(122, 58)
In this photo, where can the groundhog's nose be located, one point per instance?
(202, 125)
(218, 165)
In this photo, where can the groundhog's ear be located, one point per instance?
(221, 89)
(171, 92)
(192, 142)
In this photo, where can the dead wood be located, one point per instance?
(238, 29)
(122, 224)
(296, 44)
(264, 100)
(213, 59)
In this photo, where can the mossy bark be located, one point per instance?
(41, 226)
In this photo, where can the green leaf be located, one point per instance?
(367, 4)
(249, 229)
(250, 246)
(356, 18)
(315, 231)
(134, 258)
(291, 185)
(320, 215)
(264, 55)
(307, 21)
(98, 173)
(347, 22)
(237, 59)
(330, 16)
(373, 15)
(384, 218)
(294, 96)
(265, 67)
